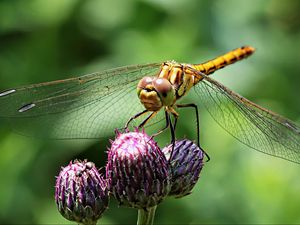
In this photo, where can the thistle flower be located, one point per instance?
(137, 171)
(81, 193)
(186, 164)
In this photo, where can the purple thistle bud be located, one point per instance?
(137, 171)
(81, 193)
(186, 164)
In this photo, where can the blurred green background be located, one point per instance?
(44, 40)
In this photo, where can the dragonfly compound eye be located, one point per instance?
(148, 95)
(145, 83)
(165, 91)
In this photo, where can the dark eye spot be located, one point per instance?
(164, 94)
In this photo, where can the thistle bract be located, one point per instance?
(81, 193)
(137, 171)
(186, 164)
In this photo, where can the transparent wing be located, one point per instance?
(251, 124)
(90, 106)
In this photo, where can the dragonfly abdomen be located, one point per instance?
(224, 60)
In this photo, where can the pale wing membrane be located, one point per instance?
(90, 106)
(251, 124)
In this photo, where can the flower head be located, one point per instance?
(81, 193)
(137, 171)
(186, 164)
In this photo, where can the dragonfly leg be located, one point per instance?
(134, 117)
(163, 129)
(168, 110)
(197, 124)
(147, 119)
(197, 118)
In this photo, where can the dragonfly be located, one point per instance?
(93, 105)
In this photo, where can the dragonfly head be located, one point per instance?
(155, 93)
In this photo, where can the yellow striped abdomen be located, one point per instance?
(231, 57)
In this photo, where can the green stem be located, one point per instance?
(146, 216)
(88, 223)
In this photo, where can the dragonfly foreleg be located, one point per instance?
(147, 119)
(164, 128)
(134, 117)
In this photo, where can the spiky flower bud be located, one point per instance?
(81, 193)
(186, 164)
(137, 171)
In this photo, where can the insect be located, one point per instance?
(91, 106)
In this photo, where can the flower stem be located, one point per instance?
(88, 223)
(146, 216)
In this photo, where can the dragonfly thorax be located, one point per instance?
(156, 92)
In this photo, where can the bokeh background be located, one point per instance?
(44, 40)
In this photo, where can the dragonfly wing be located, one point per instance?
(257, 127)
(90, 106)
